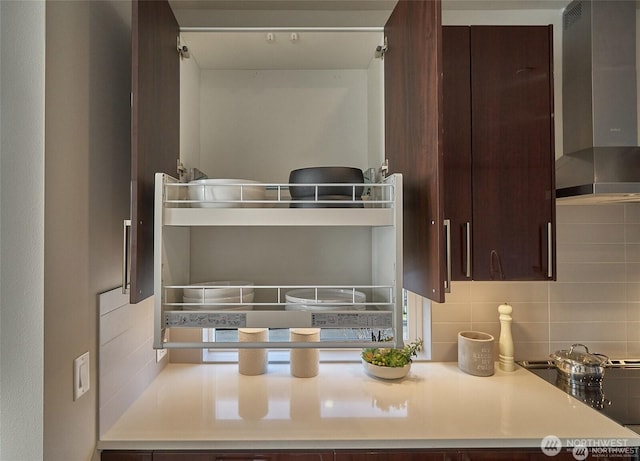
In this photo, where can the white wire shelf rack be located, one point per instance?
(277, 195)
(361, 323)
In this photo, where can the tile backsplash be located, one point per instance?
(595, 300)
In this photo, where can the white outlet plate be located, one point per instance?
(81, 372)
(160, 353)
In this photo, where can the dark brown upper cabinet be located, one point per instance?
(413, 138)
(413, 102)
(499, 152)
(155, 123)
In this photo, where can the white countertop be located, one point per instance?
(437, 406)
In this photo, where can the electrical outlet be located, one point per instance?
(160, 353)
(81, 382)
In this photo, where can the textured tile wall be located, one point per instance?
(595, 301)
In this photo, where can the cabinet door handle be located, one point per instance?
(467, 227)
(549, 250)
(126, 232)
(447, 238)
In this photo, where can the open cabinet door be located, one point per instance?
(155, 125)
(413, 138)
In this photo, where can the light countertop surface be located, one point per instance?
(212, 406)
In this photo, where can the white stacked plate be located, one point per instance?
(324, 299)
(226, 193)
(222, 295)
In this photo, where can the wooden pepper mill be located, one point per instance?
(505, 343)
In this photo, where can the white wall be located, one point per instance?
(22, 54)
(88, 69)
(262, 124)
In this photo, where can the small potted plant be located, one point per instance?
(390, 363)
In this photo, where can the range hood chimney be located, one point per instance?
(601, 161)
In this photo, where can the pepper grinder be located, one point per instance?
(505, 343)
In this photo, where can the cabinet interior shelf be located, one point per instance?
(366, 309)
(186, 204)
(278, 217)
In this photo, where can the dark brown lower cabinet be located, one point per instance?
(327, 455)
(403, 455)
(523, 454)
(118, 455)
(529, 454)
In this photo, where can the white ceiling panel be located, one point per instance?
(308, 50)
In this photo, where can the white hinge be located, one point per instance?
(381, 50)
(181, 170)
(183, 50)
(383, 171)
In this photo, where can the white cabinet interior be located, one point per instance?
(256, 104)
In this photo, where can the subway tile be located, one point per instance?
(522, 312)
(460, 292)
(632, 253)
(633, 311)
(450, 312)
(535, 350)
(633, 272)
(632, 213)
(510, 292)
(530, 332)
(592, 252)
(447, 332)
(492, 328)
(633, 331)
(632, 233)
(633, 349)
(587, 292)
(612, 349)
(590, 214)
(591, 272)
(590, 233)
(576, 332)
(119, 376)
(444, 352)
(588, 311)
(126, 317)
(633, 291)
(114, 353)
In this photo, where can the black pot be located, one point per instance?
(340, 175)
(337, 201)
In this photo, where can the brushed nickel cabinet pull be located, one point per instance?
(447, 230)
(467, 272)
(549, 250)
(126, 232)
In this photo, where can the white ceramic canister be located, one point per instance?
(475, 353)
(252, 362)
(305, 362)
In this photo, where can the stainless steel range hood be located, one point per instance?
(601, 161)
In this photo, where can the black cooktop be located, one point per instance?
(618, 397)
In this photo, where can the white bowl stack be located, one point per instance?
(219, 295)
(324, 299)
(226, 193)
